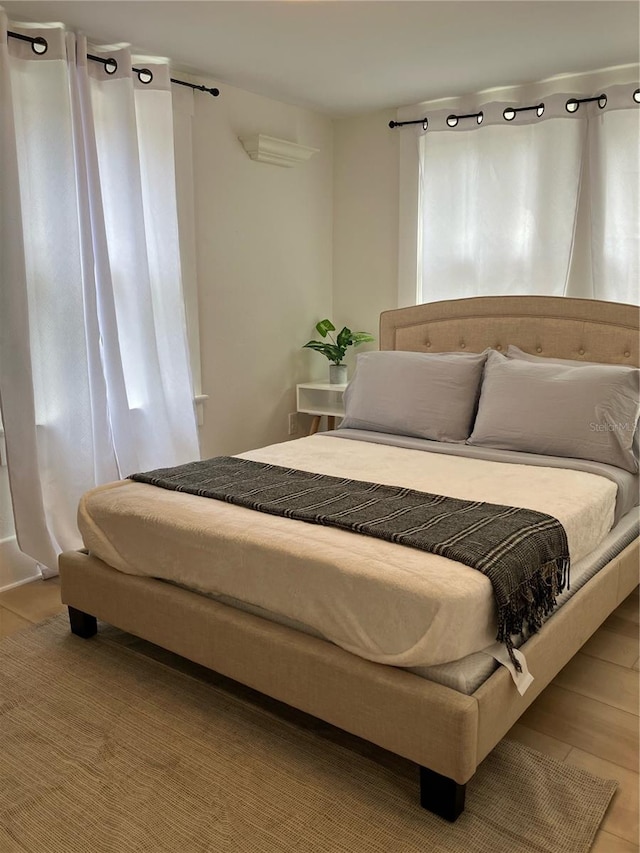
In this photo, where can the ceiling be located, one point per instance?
(344, 57)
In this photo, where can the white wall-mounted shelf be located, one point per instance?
(278, 152)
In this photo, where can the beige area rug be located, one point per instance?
(105, 747)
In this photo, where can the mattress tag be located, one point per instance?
(523, 679)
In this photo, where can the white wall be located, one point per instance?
(278, 249)
(365, 220)
(264, 265)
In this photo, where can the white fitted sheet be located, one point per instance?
(384, 602)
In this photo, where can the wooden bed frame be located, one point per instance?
(445, 732)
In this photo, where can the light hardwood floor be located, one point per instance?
(588, 716)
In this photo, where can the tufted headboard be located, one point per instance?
(552, 326)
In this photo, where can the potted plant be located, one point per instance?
(335, 348)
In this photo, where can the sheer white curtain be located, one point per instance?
(498, 204)
(499, 199)
(614, 136)
(94, 373)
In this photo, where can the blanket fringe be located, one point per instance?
(531, 603)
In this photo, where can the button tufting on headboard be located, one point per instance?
(549, 326)
(498, 347)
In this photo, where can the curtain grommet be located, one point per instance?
(39, 46)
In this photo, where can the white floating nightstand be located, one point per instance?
(318, 399)
(279, 152)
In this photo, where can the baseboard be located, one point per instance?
(15, 567)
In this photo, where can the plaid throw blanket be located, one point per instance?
(523, 553)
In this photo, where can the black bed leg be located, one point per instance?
(441, 795)
(82, 623)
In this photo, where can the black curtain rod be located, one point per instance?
(453, 119)
(509, 113)
(423, 121)
(214, 91)
(40, 46)
(573, 104)
(37, 42)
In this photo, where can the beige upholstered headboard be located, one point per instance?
(552, 326)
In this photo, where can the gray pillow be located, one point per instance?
(583, 411)
(515, 352)
(412, 393)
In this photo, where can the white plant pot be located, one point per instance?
(338, 374)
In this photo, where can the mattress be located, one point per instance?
(384, 602)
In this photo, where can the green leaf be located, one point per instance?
(344, 338)
(330, 351)
(325, 326)
(358, 338)
(334, 353)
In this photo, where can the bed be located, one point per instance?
(446, 732)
